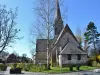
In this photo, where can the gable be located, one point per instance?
(65, 35)
(67, 38)
(65, 30)
(70, 48)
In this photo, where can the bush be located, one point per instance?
(3, 67)
(37, 67)
(78, 67)
(94, 63)
(71, 68)
(11, 65)
(20, 65)
(90, 61)
(14, 65)
(54, 65)
(98, 65)
(98, 58)
(30, 67)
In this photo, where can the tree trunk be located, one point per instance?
(48, 43)
(48, 66)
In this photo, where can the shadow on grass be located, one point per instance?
(17, 73)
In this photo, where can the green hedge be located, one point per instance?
(90, 61)
(30, 67)
(2, 67)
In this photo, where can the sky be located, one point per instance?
(80, 13)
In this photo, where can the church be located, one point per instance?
(64, 50)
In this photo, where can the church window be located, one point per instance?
(69, 56)
(79, 56)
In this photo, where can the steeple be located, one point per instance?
(57, 13)
(58, 23)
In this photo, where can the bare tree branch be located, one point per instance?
(8, 32)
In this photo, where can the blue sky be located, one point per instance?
(80, 13)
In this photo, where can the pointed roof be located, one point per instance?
(57, 13)
(64, 30)
(68, 30)
(58, 23)
(72, 49)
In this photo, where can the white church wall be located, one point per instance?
(74, 59)
(84, 58)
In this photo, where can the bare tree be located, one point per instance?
(44, 29)
(8, 32)
(32, 52)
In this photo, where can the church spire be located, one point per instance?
(57, 14)
(58, 23)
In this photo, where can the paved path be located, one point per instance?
(34, 73)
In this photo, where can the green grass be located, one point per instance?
(65, 70)
(57, 70)
(37, 68)
(87, 68)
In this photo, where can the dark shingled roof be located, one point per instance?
(64, 30)
(41, 45)
(68, 30)
(72, 49)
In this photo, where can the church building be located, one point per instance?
(65, 49)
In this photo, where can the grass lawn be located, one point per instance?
(37, 68)
(65, 70)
